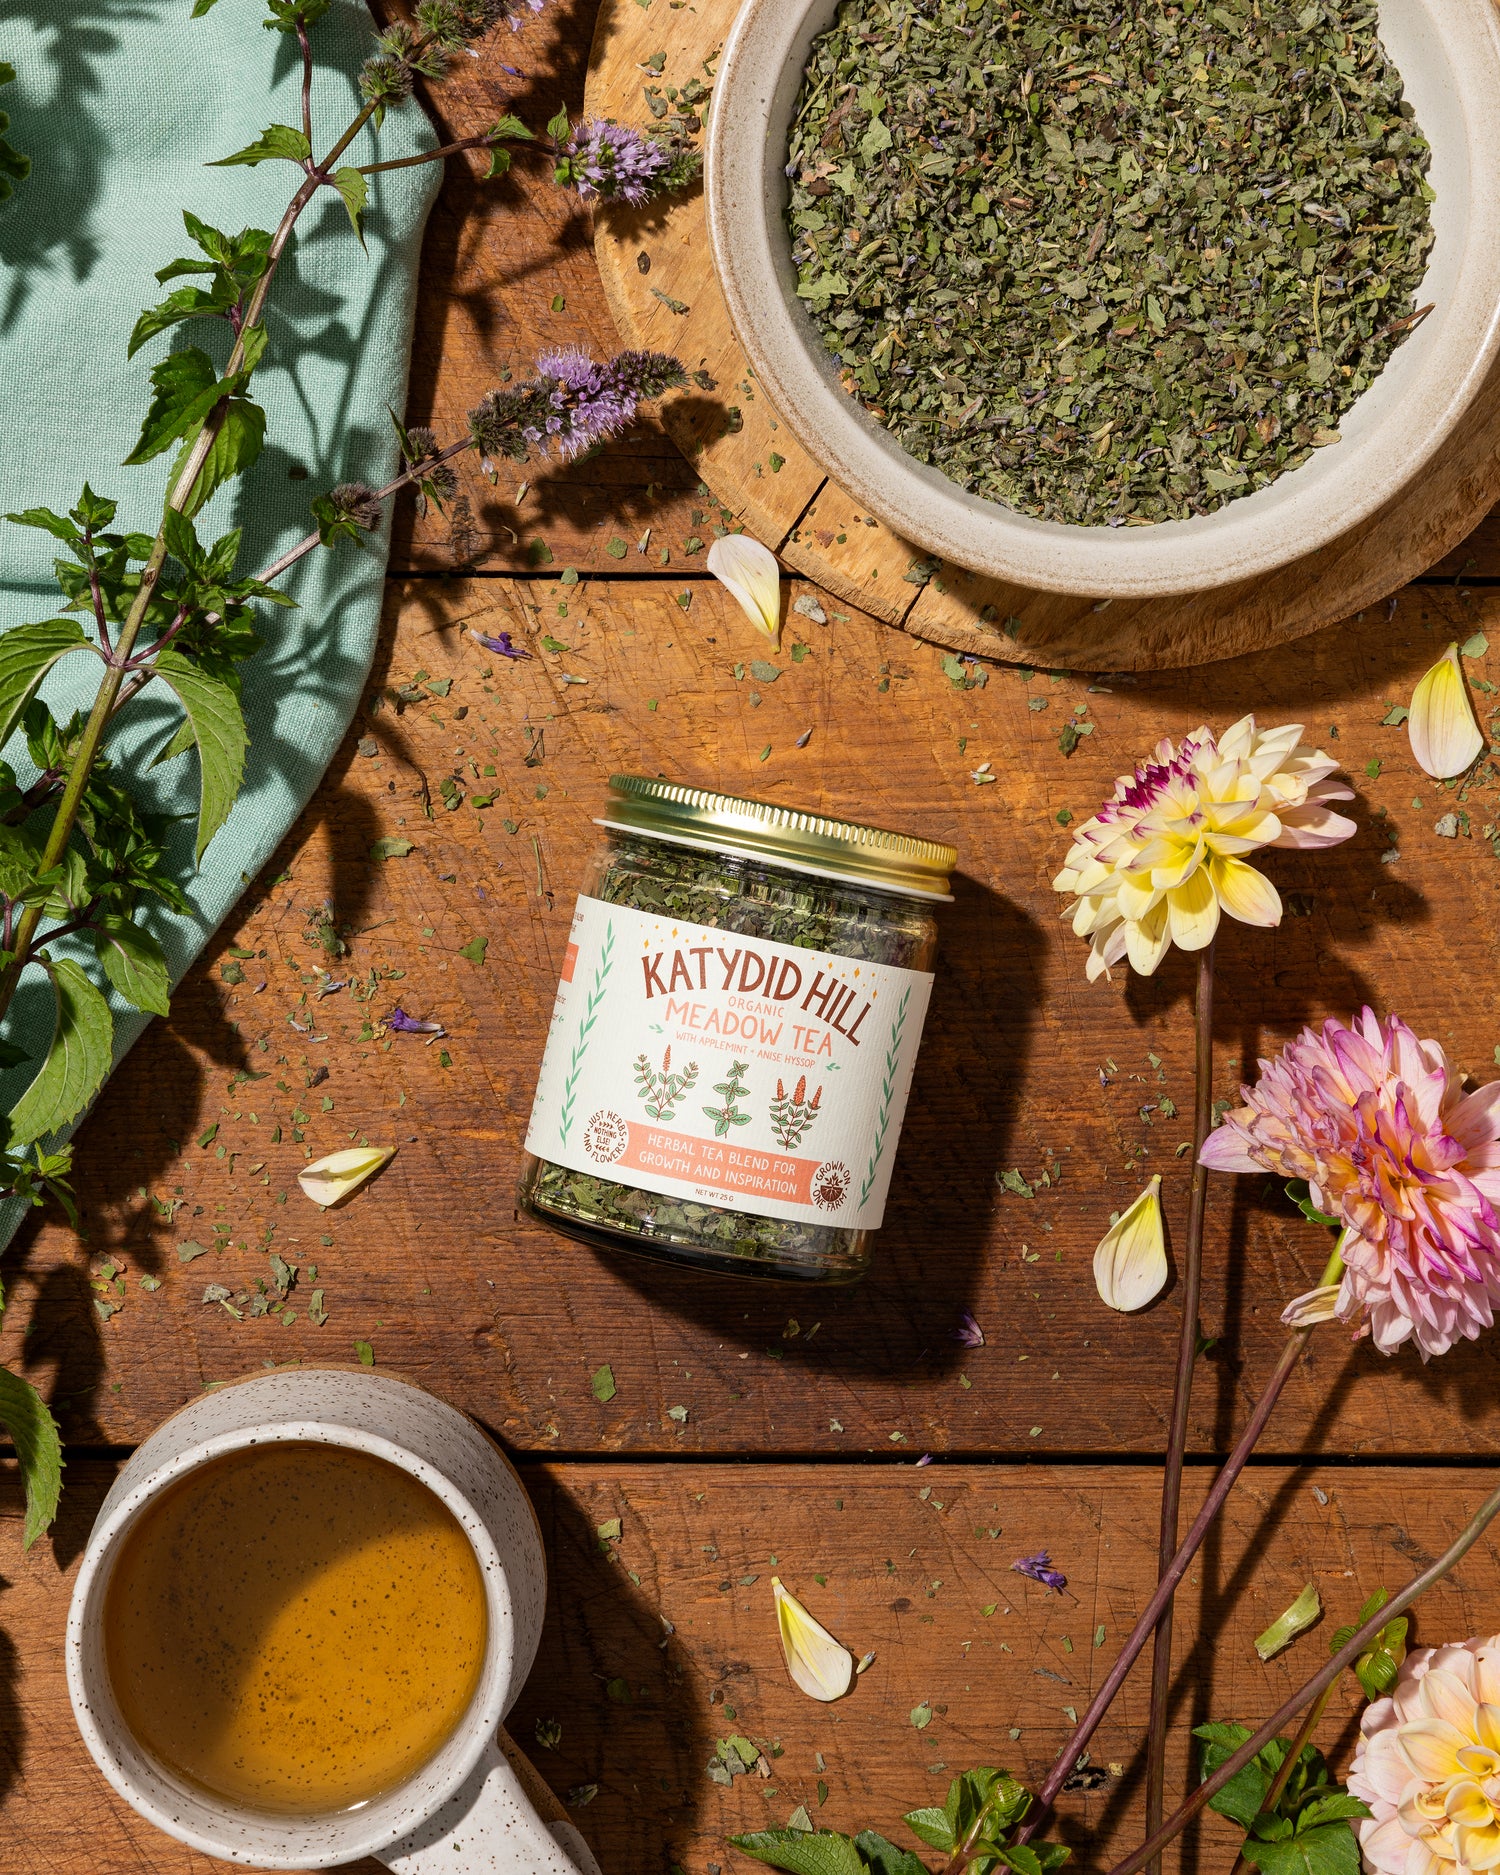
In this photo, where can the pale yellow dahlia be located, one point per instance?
(1160, 861)
(1428, 1765)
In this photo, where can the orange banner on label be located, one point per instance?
(570, 961)
(721, 1164)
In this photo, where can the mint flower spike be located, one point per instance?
(605, 161)
(572, 406)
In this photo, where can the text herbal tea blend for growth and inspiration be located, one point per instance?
(1106, 264)
(734, 1034)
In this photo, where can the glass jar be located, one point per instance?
(734, 1035)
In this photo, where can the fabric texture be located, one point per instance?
(120, 104)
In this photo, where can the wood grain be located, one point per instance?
(663, 1642)
(1024, 1065)
(819, 529)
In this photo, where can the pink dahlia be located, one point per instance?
(1428, 1765)
(1379, 1126)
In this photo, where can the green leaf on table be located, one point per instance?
(186, 388)
(277, 141)
(213, 709)
(474, 950)
(76, 1063)
(1304, 1613)
(823, 1853)
(355, 192)
(33, 1432)
(884, 1858)
(27, 653)
(931, 1826)
(133, 961)
(391, 846)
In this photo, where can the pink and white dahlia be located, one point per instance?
(1160, 861)
(1380, 1127)
(1428, 1765)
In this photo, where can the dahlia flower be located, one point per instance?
(1160, 861)
(1428, 1765)
(1390, 1145)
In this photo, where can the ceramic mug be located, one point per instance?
(474, 1796)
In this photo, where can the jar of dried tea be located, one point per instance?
(734, 1034)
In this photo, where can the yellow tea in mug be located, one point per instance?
(295, 1627)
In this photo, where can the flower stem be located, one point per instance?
(1187, 1360)
(1067, 1758)
(1319, 1683)
(1289, 1763)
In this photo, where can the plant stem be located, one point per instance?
(307, 76)
(1067, 1758)
(426, 156)
(1289, 1763)
(82, 764)
(1187, 1360)
(1320, 1682)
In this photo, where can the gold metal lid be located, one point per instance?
(782, 836)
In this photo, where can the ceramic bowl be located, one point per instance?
(1448, 52)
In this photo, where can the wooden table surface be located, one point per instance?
(755, 1429)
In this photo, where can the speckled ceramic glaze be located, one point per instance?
(1448, 53)
(467, 1798)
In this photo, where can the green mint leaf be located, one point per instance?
(178, 743)
(557, 127)
(182, 541)
(234, 448)
(33, 1432)
(823, 1853)
(509, 126)
(186, 389)
(55, 524)
(27, 653)
(884, 1858)
(391, 846)
(1020, 1857)
(499, 164)
(1241, 1798)
(76, 1063)
(186, 302)
(932, 1827)
(213, 709)
(602, 1384)
(355, 192)
(132, 960)
(93, 511)
(1336, 1807)
(279, 141)
(474, 950)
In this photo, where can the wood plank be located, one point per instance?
(912, 1561)
(1024, 1065)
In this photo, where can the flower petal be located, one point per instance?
(1225, 1151)
(1445, 738)
(1318, 1305)
(1245, 893)
(750, 571)
(1193, 912)
(818, 1664)
(329, 1181)
(1130, 1264)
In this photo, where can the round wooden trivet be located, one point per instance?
(659, 280)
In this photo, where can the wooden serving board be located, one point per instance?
(756, 468)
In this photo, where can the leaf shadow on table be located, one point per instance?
(960, 1122)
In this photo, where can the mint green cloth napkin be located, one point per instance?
(119, 104)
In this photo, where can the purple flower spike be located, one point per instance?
(968, 1333)
(404, 1024)
(614, 162)
(1039, 1568)
(499, 643)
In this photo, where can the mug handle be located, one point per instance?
(503, 1820)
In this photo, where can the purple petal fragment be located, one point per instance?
(499, 643)
(1039, 1568)
(404, 1024)
(968, 1333)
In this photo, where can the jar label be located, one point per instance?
(727, 1070)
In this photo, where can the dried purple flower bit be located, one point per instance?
(499, 643)
(1039, 1568)
(968, 1333)
(403, 1024)
(925, 1459)
(605, 161)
